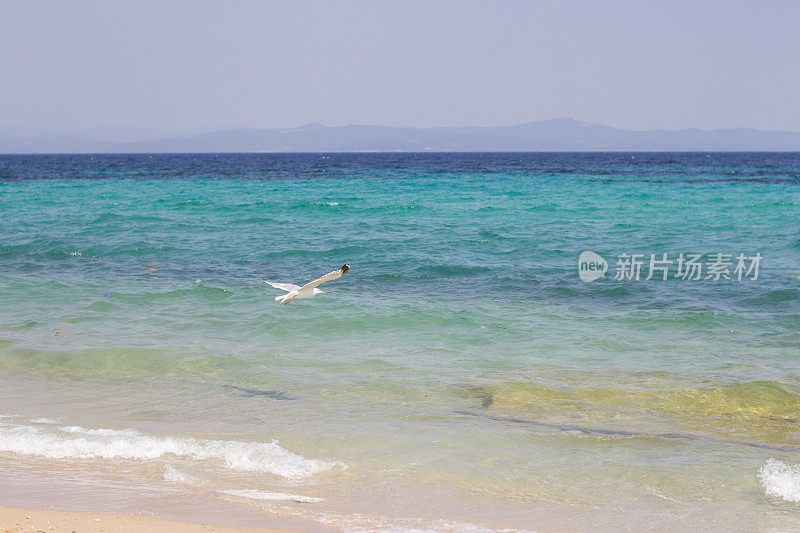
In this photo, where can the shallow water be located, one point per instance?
(461, 372)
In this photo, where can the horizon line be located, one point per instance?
(398, 152)
(212, 129)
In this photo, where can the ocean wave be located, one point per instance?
(272, 496)
(781, 480)
(75, 442)
(173, 474)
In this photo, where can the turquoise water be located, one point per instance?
(461, 371)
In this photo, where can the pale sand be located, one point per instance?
(23, 520)
(70, 500)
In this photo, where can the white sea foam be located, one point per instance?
(781, 480)
(173, 474)
(60, 442)
(274, 496)
(43, 421)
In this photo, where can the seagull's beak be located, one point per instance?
(322, 292)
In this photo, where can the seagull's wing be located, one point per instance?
(327, 277)
(283, 286)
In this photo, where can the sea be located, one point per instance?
(524, 341)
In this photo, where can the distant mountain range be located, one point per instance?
(557, 135)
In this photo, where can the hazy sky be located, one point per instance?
(201, 64)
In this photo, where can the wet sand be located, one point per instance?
(34, 498)
(19, 520)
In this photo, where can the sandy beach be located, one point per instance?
(18, 520)
(32, 499)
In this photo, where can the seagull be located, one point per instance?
(309, 290)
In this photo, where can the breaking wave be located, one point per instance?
(73, 442)
(781, 480)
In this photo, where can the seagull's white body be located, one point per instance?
(309, 290)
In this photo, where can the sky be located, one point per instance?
(211, 65)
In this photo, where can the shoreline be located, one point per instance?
(82, 501)
(13, 520)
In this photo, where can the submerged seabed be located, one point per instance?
(459, 376)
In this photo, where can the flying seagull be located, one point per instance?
(309, 290)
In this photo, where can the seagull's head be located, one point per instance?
(317, 291)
